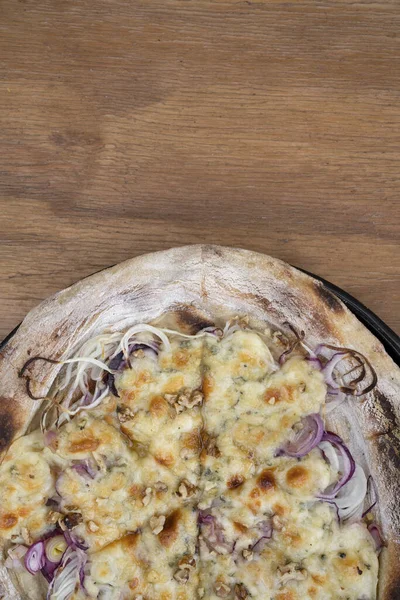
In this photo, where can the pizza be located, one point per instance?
(200, 423)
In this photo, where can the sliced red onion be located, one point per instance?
(376, 536)
(55, 548)
(315, 361)
(309, 435)
(213, 533)
(49, 439)
(265, 528)
(68, 575)
(85, 469)
(347, 468)
(366, 373)
(215, 331)
(35, 558)
(119, 362)
(298, 340)
(260, 544)
(329, 369)
(350, 498)
(372, 493)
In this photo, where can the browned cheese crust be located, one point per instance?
(199, 285)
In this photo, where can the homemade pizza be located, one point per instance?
(200, 423)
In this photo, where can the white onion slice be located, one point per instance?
(68, 575)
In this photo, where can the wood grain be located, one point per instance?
(131, 126)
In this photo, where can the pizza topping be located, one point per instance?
(147, 496)
(55, 548)
(186, 489)
(124, 413)
(160, 486)
(291, 571)
(359, 378)
(241, 592)
(35, 558)
(184, 399)
(340, 458)
(186, 565)
(376, 535)
(222, 590)
(247, 554)
(264, 479)
(69, 575)
(305, 436)
(157, 524)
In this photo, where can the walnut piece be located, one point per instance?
(292, 571)
(222, 590)
(160, 486)
(92, 526)
(124, 413)
(210, 444)
(186, 565)
(247, 554)
(241, 592)
(184, 399)
(157, 524)
(186, 489)
(147, 496)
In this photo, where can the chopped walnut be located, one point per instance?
(184, 399)
(171, 398)
(124, 413)
(291, 571)
(277, 523)
(26, 536)
(147, 496)
(210, 445)
(196, 398)
(160, 486)
(247, 555)
(241, 592)
(186, 565)
(187, 562)
(182, 575)
(53, 517)
(186, 489)
(92, 526)
(222, 590)
(157, 524)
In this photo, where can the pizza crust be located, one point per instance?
(194, 286)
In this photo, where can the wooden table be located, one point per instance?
(134, 125)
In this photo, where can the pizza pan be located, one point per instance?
(386, 335)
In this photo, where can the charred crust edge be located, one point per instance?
(328, 298)
(190, 318)
(9, 422)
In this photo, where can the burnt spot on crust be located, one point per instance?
(384, 413)
(9, 423)
(170, 531)
(190, 319)
(328, 298)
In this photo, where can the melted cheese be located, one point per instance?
(138, 469)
